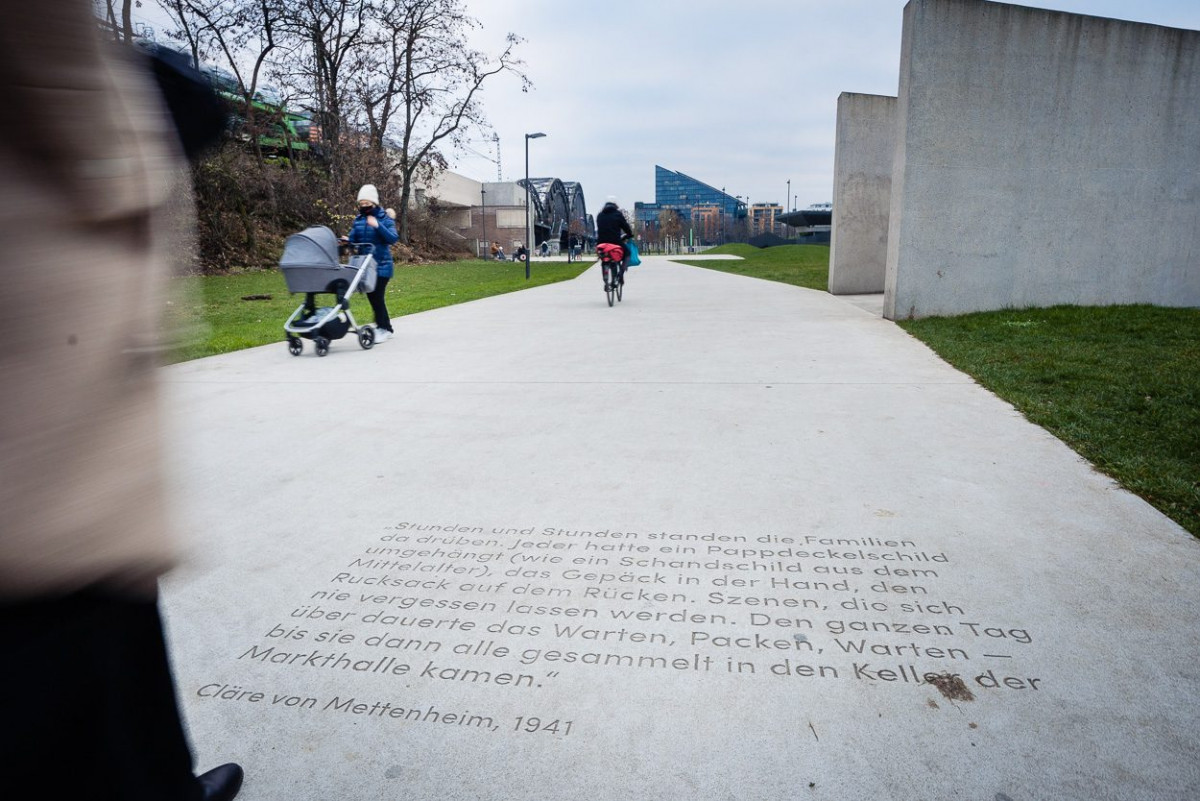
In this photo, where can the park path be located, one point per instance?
(748, 540)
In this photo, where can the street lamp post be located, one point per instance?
(528, 228)
(789, 193)
(483, 216)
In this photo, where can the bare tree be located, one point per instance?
(438, 79)
(121, 30)
(392, 84)
(239, 35)
(376, 74)
(577, 229)
(127, 19)
(670, 225)
(331, 31)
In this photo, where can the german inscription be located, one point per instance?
(518, 609)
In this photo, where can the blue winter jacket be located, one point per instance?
(382, 237)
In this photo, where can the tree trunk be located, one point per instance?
(127, 19)
(402, 212)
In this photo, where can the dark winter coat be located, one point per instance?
(610, 223)
(382, 237)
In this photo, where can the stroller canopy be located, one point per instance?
(312, 247)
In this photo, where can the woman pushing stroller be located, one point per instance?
(373, 226)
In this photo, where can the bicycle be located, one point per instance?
(612, 258)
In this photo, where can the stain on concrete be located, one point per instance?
(950, 686)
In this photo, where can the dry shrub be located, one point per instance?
(246, 207)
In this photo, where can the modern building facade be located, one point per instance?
(707, 213)
(764, 219)
(811, 226)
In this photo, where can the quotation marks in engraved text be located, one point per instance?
(520, 608)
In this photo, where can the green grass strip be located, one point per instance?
(799, 265)
(1119, 384)
(210, 315)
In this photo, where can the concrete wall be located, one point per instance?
(862, 187)
(452, 189)
(506, 193)
(1042, 158)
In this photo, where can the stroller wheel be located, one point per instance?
(322, 346)
(366, 337)
(295, 346)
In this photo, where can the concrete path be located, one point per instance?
(729, 539)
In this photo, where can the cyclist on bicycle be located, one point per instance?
(613, 229)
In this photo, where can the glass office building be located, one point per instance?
(682, 194)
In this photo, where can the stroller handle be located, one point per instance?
(358, 246)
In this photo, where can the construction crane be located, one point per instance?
(495, 140)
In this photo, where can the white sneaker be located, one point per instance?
(382, 335)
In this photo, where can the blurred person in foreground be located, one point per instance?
(88, 168)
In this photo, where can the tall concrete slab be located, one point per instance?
(1042, 158)
(862, 188)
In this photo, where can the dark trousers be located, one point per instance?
(89, 707)
(379, 303)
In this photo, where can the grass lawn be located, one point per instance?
(801, 265)
(211, 316)
(1119, 384)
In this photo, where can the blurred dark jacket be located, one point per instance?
(88, 162)
(610, 224)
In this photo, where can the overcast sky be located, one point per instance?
(740, 95)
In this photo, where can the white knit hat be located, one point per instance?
(369, 192)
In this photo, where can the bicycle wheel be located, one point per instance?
(609, 284)
(620, 288)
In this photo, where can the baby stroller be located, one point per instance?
(310, 265)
